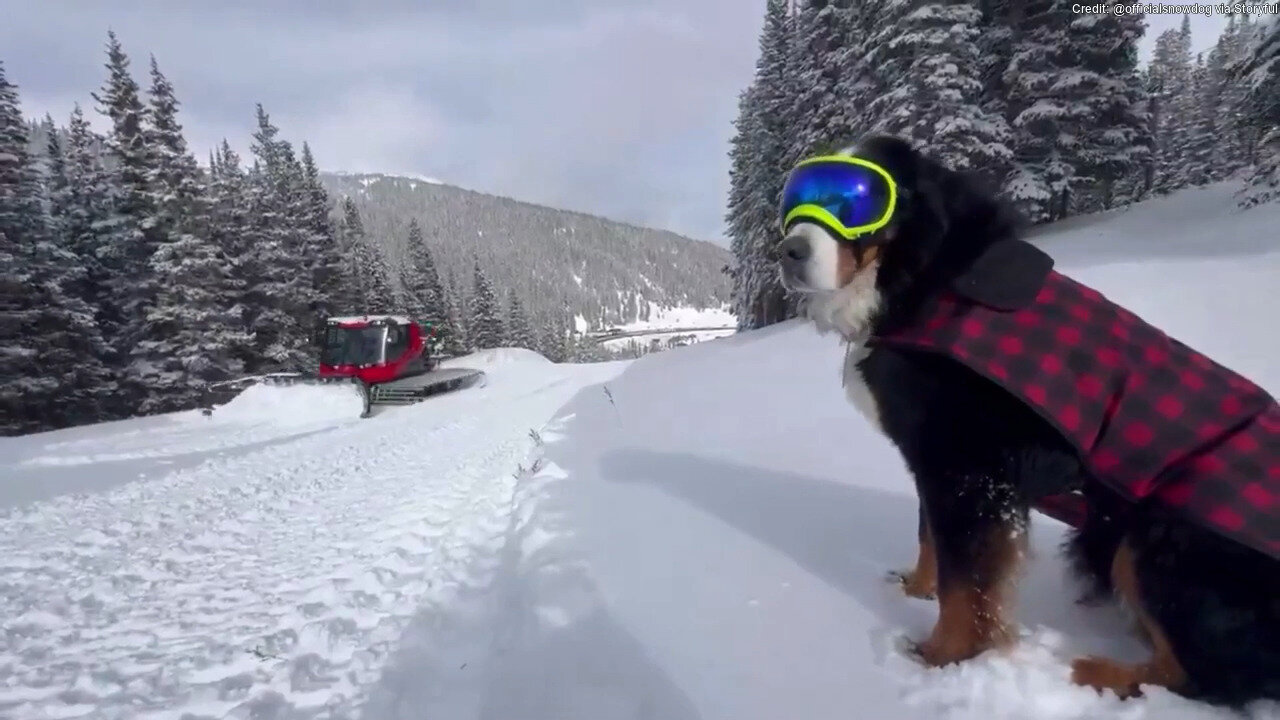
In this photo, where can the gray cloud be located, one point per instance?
(616, 107)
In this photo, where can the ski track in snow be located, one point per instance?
(275, 582)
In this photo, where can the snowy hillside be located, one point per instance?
(698, 534)
(603, 271)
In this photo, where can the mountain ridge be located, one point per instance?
(600, 271)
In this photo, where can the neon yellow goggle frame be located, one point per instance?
(850, 195)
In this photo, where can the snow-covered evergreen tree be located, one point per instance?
(819, 114)
(85, 224)
(1260, 74)
(550, 339)
(197, 326)
(175, 181)
(426, 294)
(231, 233)
(1202, 125)
(485, 328)
(193, 332)
(57, 182)
(518, 329)
(761, 153)
(1238, 150)
(131, 232)
(365, 265)
(1043, 100)
(930, 56)
(1109, 122)
(278, 284)
(1171, 78)
(329, 281)
(456, 342)
(50, 345)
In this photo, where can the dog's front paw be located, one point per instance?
(913, 584)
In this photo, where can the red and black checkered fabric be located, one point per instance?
(1151, 417)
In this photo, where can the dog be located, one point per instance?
(951, 356)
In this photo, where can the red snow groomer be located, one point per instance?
(389, 357)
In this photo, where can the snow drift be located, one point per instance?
(292, 406)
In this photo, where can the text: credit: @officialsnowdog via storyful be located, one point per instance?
(1271, 8)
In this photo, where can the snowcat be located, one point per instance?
(389, 357)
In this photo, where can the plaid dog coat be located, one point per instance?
(1152, 418)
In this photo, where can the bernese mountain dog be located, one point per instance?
(1007, 387)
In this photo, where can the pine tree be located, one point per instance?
(132, 234)
(49, 340)
(197, 326)
(761, 153)
(456, 342)
(328, 279)
(934, 99)
(823, 28)
(279, 287)
(1112, 138)
(1202, 132)
(550, 341)
(519, 330)
(1042, 102)
(1260, 75)
(426, 294)
(365, 265)
(742, 230)
(85, 223)
(231, 233)
(485, 328)
(174, 177)
(57, 183)
(193, 332)
(1171, 71)
(1239, 145)
(23, 384)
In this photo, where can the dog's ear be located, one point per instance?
(1006, 276)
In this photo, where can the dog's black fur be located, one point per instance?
(980, 459)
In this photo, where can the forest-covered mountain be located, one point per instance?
(556, 261)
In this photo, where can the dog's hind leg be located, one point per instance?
(979, 541)
(922, 580)
(1163, 669)
(1209, 606)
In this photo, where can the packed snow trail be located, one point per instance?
(275, 581)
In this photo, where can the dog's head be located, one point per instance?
(942, 225)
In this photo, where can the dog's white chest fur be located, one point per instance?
(855, 386)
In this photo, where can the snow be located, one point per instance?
(701, 533)
(399, 319)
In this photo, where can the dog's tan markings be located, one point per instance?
(922, 581)
(850, 260)
(1163, 669)
(972, 608)
(846, 263)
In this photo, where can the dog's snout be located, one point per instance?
(796, 249)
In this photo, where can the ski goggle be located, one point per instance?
(850, 195)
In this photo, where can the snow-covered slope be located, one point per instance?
(702, 533)
(268, 558)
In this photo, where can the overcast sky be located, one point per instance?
(621, 108)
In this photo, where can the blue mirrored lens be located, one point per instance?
(856, 195)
